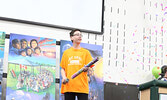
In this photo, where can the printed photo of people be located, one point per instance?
(31, 68)
(25, 48)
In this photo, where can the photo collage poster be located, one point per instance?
(31, 68)
(95, 76)
(2, 46)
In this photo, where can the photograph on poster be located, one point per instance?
(31, 68)
(95, 75)
(2, 46)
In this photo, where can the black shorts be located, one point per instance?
(71, 96)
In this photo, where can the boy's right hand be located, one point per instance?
(65, 80)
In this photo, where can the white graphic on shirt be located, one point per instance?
(74, 60)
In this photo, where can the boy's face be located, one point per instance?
(24, 44)
(77, 37)
(17, 45)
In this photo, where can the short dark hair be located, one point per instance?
(22, 40)
(15, 41)
(73, 31)
(22, 51)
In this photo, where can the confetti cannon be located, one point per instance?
(90, 64)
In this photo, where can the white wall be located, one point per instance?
(138, 44)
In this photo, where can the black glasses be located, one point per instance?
(78, 35)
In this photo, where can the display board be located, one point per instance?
(31, 68)
(67, 14)
(95, 75)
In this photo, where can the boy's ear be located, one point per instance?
(71, 37)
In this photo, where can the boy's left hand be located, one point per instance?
(85, 69)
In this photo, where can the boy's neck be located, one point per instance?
(76, 46)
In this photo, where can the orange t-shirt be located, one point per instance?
(72, 61)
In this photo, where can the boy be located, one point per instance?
(72, 60)
(15, 47)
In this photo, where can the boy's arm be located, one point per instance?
(63, 74)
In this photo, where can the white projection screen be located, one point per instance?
(86, 15)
